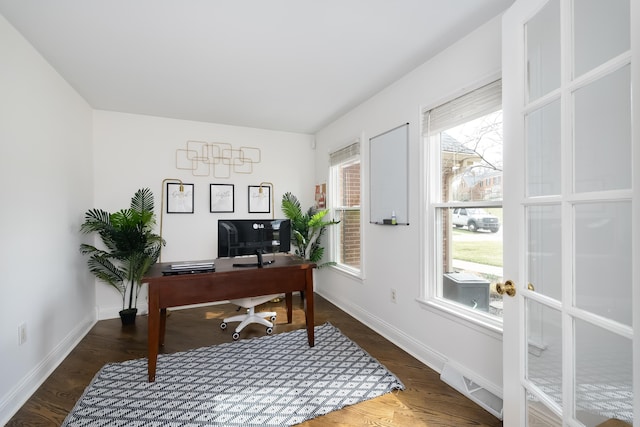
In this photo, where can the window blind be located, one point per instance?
(477, 103)
(345, 153)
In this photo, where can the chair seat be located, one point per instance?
(252, 301)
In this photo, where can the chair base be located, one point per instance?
(251, 317)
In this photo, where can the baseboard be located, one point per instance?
(113, 312)
(424, 354)
(104, 313)
(21, 392)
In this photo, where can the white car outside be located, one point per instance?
(475, 219)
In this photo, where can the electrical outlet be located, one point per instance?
(393, 296)
(22, 333)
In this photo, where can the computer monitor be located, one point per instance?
(241, 237)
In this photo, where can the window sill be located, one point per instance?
(487, 324)
(348, 271)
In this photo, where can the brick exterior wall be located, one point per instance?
(350, 219)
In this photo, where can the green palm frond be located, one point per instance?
(307, 229)
(95, 220)
(316, 254)
(291, 206)
(142, 201)
(131, 245)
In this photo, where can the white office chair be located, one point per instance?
(251, 316)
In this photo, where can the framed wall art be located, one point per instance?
(221, 198)
(179, 201)
(259, 199)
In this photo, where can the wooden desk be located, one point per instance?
(286, 275)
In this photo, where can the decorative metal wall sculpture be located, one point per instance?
(217, 159)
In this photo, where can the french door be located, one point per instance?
(572, 220)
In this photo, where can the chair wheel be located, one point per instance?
(269, 331)
(235, 336)
(273, 318)
(223, 326)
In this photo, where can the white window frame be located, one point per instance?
(431, 272)
(351, 153)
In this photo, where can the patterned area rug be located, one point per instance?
(274, 380)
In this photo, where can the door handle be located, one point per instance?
(507, 287)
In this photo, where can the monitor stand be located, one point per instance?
(258, 264)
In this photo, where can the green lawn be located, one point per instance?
(488, 253)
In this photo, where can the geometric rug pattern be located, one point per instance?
(275, 380)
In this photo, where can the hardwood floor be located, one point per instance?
(427, 401)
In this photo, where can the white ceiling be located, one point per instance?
(292, 65)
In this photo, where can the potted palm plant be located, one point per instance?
(306, 229)
(130, 248)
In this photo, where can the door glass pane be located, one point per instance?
(544, 358)
(544, 250)
(604, 374)
(539, 415)
(603, 280)
(601, 32)
(543, 150)
(543, 51)
(602, 147)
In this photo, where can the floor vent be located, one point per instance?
(470, 388)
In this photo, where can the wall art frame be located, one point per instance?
(259, 202)
(221, 198)
(180, 202)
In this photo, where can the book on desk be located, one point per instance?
(189, 268)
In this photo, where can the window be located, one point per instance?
(464, 210)
(344, 182)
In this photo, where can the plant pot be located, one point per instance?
(128, 316)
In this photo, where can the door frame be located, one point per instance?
(514, 344)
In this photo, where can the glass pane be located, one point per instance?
(544, 358)
(348, 213)
(471, 160)
(472, 257)
(604, 373)
(543, 150)
(349, 184)
(601, 32)
(539, 415)
(544, 250)
(543, 50)
(349, 235)
(603, 280)
(602, 147)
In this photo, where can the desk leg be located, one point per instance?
(309, 307)
(289, 299)
(153, 337)
(163, 325)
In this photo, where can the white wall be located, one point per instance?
(135, 151)
(393, 256)
(47, 179)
